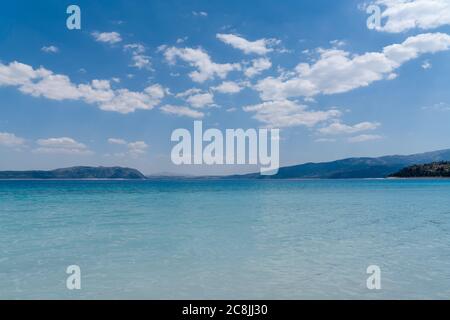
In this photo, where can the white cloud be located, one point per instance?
(201, 100)
(134, 149)
(337, 71)
(441, 106)
(426, 65)
(325, 140)
(125, 101)
(197, 58)
(340, 128)
(200, 13)
(62, 145)
(50, 49)
(228, 87)
(161, 48)
(140, 60)
(44, 83)
(10, 140)
(258, 66)
(404, 15)
(116, 141)
(391, 76)
(17, 73)
(414, 46)
(107, 37)
(260, 47)
(188, 93)
(337, 43)
(197, 98)
(286, 113)
(182, 111)
(135, 47)
(52, 86)
(181, 40)
(364, 137)
(137, 148)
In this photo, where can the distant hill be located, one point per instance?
(76, 173)
(429, 170)
(380, 167)
(350, 168)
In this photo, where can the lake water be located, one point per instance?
(225, 239)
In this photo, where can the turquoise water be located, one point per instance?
(225, 239)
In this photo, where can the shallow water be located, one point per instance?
(225, 239)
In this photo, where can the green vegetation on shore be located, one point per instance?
(430, 170)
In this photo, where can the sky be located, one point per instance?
(112, 92)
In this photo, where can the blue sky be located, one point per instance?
(113, 92)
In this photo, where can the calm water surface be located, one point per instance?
(225, 239)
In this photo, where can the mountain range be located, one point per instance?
(353, 168)
(350, 168)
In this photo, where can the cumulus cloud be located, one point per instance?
(414, 46)
(139, 58)
(134, 149)
(341, 128)
(62, 145)
(18, 74)
(50, 49)
(404, 15)
(286, 113)
(10, 140)
(137, 148)
(125, 101)
(44, 83)
(337, 71)
(141, 61)
(52, 86)
(182, 111)
(228, 87)
(260, 47)
(258, 66)
(197, 58)
(197, 98)
(201, 100)
(188, 93)
(107, 37)
(364, 137)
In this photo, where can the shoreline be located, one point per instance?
(229, 179)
